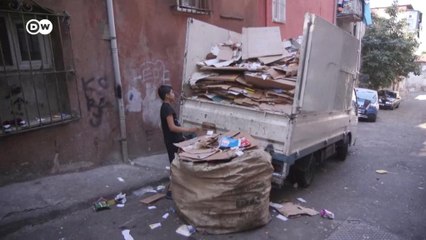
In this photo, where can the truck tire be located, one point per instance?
(342, 149)
(305, 170)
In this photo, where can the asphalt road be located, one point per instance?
(367, 205)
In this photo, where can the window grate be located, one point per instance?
(193, 6)
(37, 74)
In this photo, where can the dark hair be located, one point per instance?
(163, 90)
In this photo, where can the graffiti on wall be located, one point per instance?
(95, 92)
(151, 75)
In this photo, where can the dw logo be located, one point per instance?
(43, 26)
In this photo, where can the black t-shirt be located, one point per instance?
(169, 136)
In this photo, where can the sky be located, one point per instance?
(419, 5)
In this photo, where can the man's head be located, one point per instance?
(165, 92)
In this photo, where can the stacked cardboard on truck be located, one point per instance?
(258, 70)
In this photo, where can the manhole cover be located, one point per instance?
(356, 230)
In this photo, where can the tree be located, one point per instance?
(388, 51)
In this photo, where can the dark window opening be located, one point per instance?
(193, 6)
(37, 79)
(6, 56)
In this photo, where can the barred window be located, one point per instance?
(193, 6)
(278, 11)
(36, 70)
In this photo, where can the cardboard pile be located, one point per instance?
(215, 147)
(255, 70)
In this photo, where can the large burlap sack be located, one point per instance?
(226, 197)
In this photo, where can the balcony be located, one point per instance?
(349, 10)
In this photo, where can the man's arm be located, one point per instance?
(177, 129)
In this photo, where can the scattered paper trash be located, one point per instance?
(167, 167)
(301, 200)
(120, 205)
(185, 230)
(142, 191)
(166, 215)
(275, 205)
(126, 234)
(279, 216)
(120, 179)
(380, 171)
(120, 198)
(160, 187)
(100, 205)
(326, 214)
(210, 132)
(152, 207)
(155, 225)
(172, 210)
(290, 209)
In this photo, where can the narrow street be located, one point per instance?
(366, 204)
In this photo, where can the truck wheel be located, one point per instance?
(305, 170)
(342, 149)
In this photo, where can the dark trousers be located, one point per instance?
(171, 150)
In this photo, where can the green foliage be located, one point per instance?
(388, 51)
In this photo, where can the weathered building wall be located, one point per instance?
(295, 12)
(89, 141)
(151, 37)
(151, 40)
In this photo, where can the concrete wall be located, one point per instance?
(415, 83)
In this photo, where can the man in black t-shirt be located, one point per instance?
(172, 131)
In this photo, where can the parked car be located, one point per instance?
(389, 99)
(368, 104)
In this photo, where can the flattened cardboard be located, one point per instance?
(258, 81)
(271, 59)
(192, 141)
(283, 95)
(290, 209)
(255, 95)
(219, 86)
(245, 102)
(197, 76)
(240, 79)
(225, 53)
(223, 77)
(261, 41)
(219, 156)
(275, 74)
(223, 69)
(153, 198)
(223, 63)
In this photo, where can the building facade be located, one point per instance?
(59, 98)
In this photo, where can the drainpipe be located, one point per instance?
(117, 77)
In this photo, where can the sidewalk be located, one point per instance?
(49, 197)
